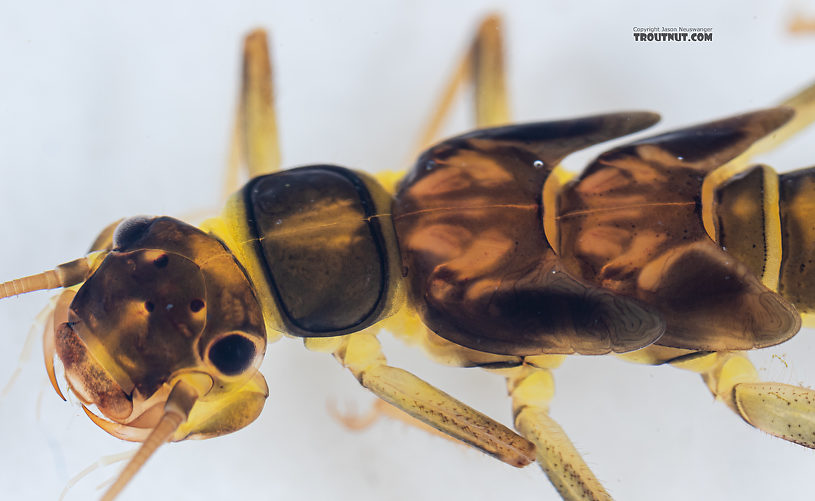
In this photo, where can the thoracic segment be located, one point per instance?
(479, 267)
(634, 263)
(324, 245)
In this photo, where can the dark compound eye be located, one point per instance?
(232, 354)
(130, 231)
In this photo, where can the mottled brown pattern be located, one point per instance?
(632, 224)
(88, 378)
(479, 266)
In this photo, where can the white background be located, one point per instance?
(108, 112)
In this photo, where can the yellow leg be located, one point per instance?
(489, 74)
(803, 102)
(362, 355)
(255, 143)
(483, 65)
(532, 388)
(782, 410)
(800, 24)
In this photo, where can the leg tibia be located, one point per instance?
(558, 458)
(426, 403)
(362, 354)
(487, 59)
(255, 142)
(531, 390)
(483, 67)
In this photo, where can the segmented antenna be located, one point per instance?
(64, 275)
(176, 410)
